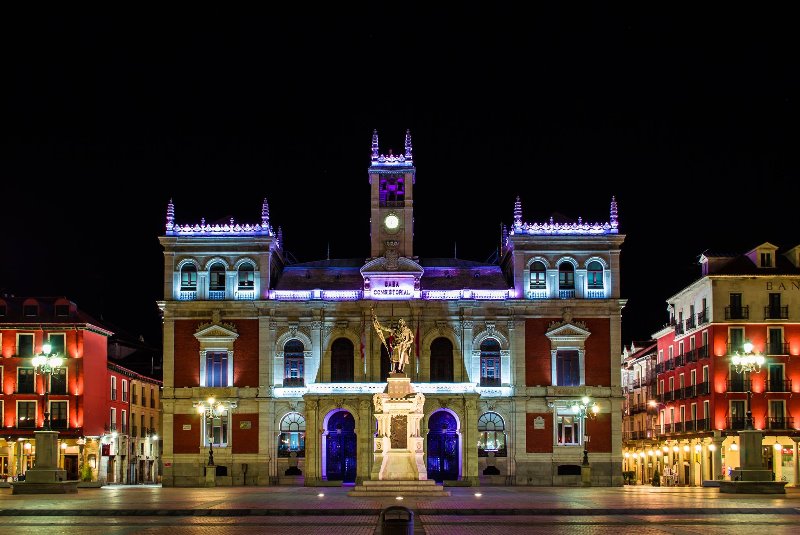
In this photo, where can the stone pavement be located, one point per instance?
(329, 510)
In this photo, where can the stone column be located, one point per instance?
(471, 363)
(314, 371)
(313, 471)
(717, 440)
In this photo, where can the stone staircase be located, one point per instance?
(427, 487)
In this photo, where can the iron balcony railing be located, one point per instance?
(702, 352)
(702, 316)
(690, 324)
(780, 422)
(776, 312)
(216, 295)
(702, 389)
(738, 385)
(678, 328)
(691, 355)
(781, 385)
(293, 381)
(777, 348)
(737, 312)
(680, 360)
(735, 423)
(690, 391)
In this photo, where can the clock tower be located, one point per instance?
(391, 179)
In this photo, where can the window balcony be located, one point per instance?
(784, 385)
(777, 348)
(293, 381)
(690, 324)
(702, 424)
(490, 381)
(702, 352)
(679, 393)
(738, 385)
(737, 313)
(566, 294)
(187, 295)
(702, 317)
(245, 295)
(735, 423)
(596, 294)
(780, 422)
(776, 312)
(702, 389)
(691, 355)
(216, 295)
(689, 426)
(680, 360)
(678, 328)
(691, 391)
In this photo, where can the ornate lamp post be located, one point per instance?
(585, 409)
(44, 364)
(749, 362)
(211, 409)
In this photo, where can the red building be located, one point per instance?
(704, 398)
(79, 395)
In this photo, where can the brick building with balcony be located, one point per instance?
(752, 298)
(640, 408)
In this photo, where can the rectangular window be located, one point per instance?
(293, 371)
(26, 381)
(124, 390)
(26, 414)
(144, 429)
(538, 281)
(490, 370)
(152, 427)
(124, 422)
(62, 310)
(766, 259)
(25, 345)
(777, 416)
(706, 411)
(58, 414)
(567, 367)
(30, 310)
(217, 368)
(152, 399)
(568, 428)
(219, 429)
(671, 352)
(775, 383)
(113, 419)
(144, 397)
(58, 343)
(693, 377)
(3, 310)
(113, 388)
(58, 381)
(736, 340)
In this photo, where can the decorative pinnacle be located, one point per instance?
(170, 215)
(614, 221)
(265, 213)
(375, 154)
(408, 155)
(518, 213)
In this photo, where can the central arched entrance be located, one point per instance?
(443, 451)
(340, 447)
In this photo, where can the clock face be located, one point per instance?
(391, 221)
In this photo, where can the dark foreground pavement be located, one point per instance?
(328, 510)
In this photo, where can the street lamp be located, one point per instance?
(45, 363)
(211, 409)
(748, 363)
(585, 408)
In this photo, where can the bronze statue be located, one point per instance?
(399, 343)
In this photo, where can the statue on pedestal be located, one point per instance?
(398, 343)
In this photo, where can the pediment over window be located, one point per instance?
(567, 332)
(216, 333)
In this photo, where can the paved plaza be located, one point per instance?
(329, 510)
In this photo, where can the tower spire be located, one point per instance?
(518, 213)
(265, 214)
(614, 221)
(375, 145)
(408, 155)
(170, 216)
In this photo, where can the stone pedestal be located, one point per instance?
(211, 476)
(750, 477)
(45, 477)
(398, 447)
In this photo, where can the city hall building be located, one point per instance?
(505, 353)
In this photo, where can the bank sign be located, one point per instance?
(395, 287)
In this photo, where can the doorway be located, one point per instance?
(340, 447)
(443, 450)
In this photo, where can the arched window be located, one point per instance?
(538, 274)
(594, 275)
(491, 435)
(441, 361)
(490, 363)
(293, 363)
(566, 276)
(293, 435)
(216, 281)
(189, 278)
(342, 357)
(246, 276)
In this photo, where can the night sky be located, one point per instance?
(690, 119)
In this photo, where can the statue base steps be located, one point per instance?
(426, 487)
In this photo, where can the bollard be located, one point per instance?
(396, 520)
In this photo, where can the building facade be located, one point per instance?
(704, 397)
(88, 398)
(640, 433)
(503, 352)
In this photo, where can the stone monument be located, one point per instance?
(751, 477)
(45, 477)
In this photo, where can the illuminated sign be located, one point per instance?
(391, 287)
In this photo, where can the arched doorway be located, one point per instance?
(443, 450)
(340, 447)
